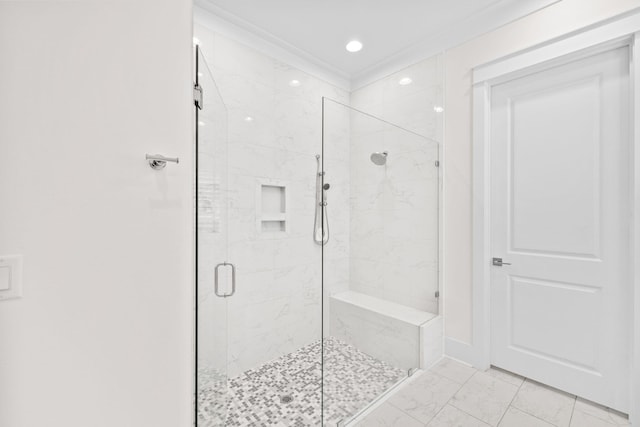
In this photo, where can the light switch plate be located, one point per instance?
(10, 276)
(5, 278)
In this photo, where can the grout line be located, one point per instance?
(443, 406)
(409, 415)
(449, 402)
(437, 413)
(532, 415)
(384, 398)
(406, 385)
(573, 410)
(472, 416)
(511, 402)
(535, 416)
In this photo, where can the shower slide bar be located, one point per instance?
(321, 223)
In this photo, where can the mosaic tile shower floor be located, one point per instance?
(352, 380)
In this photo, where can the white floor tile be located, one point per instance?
(425, 397)
(450, 416)
(505, 376)
(453, 370)
(485, 397)
(516, 418)
(581, 419)
(388, 416)
(599, 411)
(549, 404)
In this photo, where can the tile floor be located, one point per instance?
(452, 394)
(352, 379)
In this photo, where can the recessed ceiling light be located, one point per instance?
(405, 81)
(196, 41)
(354, 46)
(438, 109)
(294, 83)
(248, 119)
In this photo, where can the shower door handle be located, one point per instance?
(233, 279)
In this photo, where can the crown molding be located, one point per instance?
(487, 20)
(234, 27)
(229, 25)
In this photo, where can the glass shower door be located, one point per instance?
(214, 283)
(259, 343)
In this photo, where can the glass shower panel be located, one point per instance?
(380, 284)
(260, 336)
(211, 249)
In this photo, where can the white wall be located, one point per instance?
(394, 208)
(549, 23)
(102, 336)
(277, 305)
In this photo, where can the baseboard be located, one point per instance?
(464, 352)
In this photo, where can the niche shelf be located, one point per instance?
(271, 204)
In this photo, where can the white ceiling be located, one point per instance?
(391, 30)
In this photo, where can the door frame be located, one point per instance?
(610, 34)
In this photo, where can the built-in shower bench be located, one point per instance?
(402, 336)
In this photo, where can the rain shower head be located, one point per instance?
(379, 158)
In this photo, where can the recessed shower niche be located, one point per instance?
(271, 203)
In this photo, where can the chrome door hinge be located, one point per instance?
(197, 96)
(437, 163)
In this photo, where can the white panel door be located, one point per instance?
(560, 313)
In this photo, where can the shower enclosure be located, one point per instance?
(296, 327)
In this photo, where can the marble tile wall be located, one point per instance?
(394, 208)
(277, 305)
(383, 220)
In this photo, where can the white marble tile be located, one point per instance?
(280, 143)
(385, 338)
(450, 416)
(414, 287)
(431, 341)
(388, 416)
(366, 275)
(424, 397)
(232, 56)
(485, 397)
(505, 376)
(582, 419)
(545, 403)
(601, 412)
(276, 307)
(364, 98)
(385, 308)
(403, 112)
(454, 370)
(516, 418)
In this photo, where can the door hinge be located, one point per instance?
(437, 294)
(197, 96)
(437, 163)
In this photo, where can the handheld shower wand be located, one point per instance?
(321, 223)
